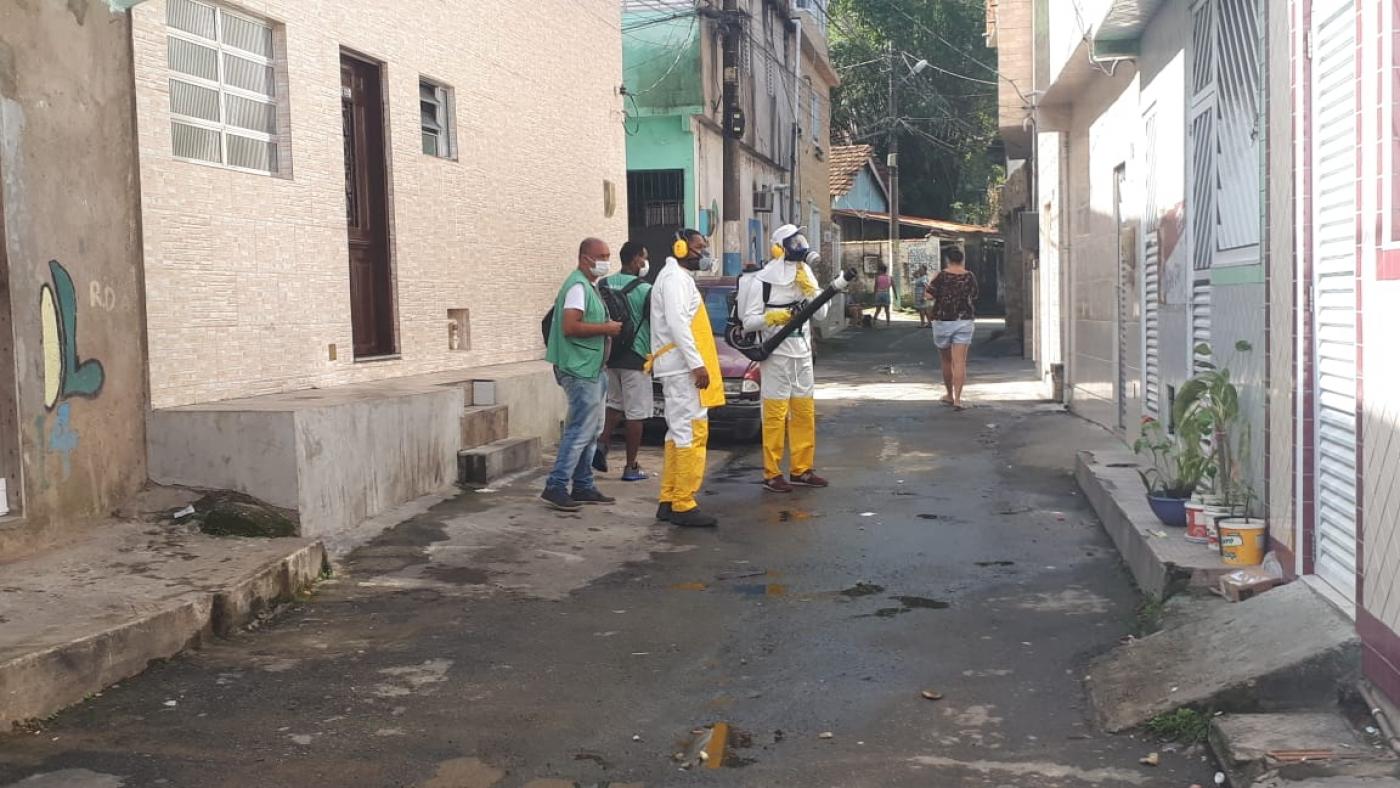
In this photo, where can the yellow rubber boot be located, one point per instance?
(803, 427)
(775, 415)
(668, 474)
(690, 469)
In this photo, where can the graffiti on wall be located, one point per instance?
(65, 374)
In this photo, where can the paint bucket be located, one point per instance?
(1213, 515)
(1242, 540)
(1196, 521)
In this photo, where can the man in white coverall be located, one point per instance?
(767, 303)
(686, 363)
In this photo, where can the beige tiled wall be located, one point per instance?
(247, 275)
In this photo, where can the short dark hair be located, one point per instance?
(631, 250)
(953, 255)
(691, 235)
(884, 267)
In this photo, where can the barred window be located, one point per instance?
(223, 106)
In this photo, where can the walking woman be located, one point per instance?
(953, 292)
(883, 285)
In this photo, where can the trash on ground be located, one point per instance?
(172, 703)
(867, 514)
(827, 735)
(183, 513)
(931, 695)
(1151, 759)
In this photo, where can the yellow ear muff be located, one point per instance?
(776, 251)
(680, 249)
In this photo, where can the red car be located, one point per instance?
(742, 416)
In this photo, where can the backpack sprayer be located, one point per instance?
(746, 342)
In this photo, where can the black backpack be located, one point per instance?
(615, 304)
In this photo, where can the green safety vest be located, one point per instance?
(581, 357)
(636, 305)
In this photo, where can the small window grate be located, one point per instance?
(436, 119)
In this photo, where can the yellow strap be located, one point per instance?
(659, 352)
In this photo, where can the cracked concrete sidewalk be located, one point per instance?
(83, 616)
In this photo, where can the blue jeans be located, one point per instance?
(581, 429)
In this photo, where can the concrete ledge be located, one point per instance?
(1285, 649)
(94, 613)
(485, 464)
(483, 424)
(1161, 567)
(237, 604)
(38, 684)
(340, 455)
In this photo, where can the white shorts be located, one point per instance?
(785, 377)
(629, 390)
(947, 333)
(683, 408)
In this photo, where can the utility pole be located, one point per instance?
(892, 164)
(731, 27)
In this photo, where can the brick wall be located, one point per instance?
(247, 275)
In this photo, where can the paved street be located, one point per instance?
(487, 642)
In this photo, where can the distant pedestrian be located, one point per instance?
(884, 286)
(576, 344)
(953, 292)
(921, 295)
(630, 397)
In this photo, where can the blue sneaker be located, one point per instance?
(633, 473)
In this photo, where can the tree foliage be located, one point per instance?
(947, 121)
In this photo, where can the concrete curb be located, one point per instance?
(1161, 567)
(40, 683)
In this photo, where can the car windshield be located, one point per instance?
(717, 305)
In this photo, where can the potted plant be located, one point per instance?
(1210, 403)
(1178, 465)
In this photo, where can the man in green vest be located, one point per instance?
(576, 346)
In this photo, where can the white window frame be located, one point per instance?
(222, 87)
(445, 97)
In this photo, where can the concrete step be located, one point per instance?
(1284, 649)
(1161, 560)
(483, 424)
(78, 620)
(1299, 747)
(484, 464)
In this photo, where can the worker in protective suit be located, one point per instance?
(686, 363)
(767, 303)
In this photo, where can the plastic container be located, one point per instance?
(1242, 540)
(1196, 520)
(1214, 514)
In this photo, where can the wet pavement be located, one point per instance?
(924, 622)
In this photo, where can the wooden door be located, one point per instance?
(366, 208)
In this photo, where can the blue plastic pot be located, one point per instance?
(1171, 511)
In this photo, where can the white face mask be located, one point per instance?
(601, 267)
(645, 269)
